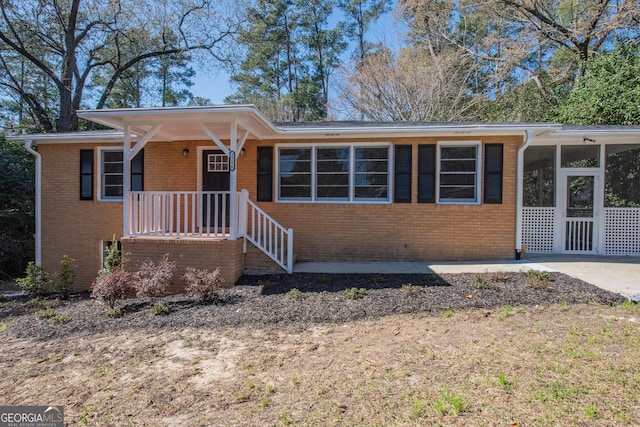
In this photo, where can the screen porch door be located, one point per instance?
(580, 207)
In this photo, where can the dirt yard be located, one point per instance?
(478, 360)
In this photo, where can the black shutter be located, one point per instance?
(402, 174)
(493, 173)
(265, 174)
(137, 172)
(427, 173)
(86, 174)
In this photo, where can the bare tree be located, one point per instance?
(517, 38)
(415, 86)
(67, 42)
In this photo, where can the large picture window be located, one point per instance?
(459, 173)
(335, 173)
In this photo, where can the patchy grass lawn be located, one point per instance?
(526, 366)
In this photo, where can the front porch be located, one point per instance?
(212, 210)
(194, 224)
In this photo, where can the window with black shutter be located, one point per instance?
(402, 176)
(86, 174)
(265, 174)
(427, 173)
(493, 154)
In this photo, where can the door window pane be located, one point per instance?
(580, 191)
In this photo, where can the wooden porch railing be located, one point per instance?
(205, 214)
(267, 234)
(191, 214)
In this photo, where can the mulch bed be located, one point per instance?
(266, 301)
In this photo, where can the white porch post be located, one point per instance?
(233, 182)
(126, 180)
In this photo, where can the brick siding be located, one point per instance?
(322, 231)
(198, 253)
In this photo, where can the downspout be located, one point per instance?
(38, 207)
(519, 190)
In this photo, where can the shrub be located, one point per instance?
(355, 293)
(114, 286)
(538, 279)
(114, 312)
(112, 259)
(154, 279)
(482, 282)
(36, 281)
(294, 293)
(65, 277)
(203, 285)
(160, 309)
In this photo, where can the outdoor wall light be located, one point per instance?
(185, 152)
(242, 152)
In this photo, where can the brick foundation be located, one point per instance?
(198, 253)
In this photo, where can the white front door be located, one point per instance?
(580, 209)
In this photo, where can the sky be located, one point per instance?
(215, 84)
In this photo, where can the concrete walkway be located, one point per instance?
(615, 274)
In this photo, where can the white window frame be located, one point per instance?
(477, 176)
(101, 196)
(352, 146)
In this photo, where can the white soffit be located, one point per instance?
(183, 123)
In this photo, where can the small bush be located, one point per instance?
(355, 293)
(482, 282)
(46, 313)
(114, 312)
(160, 309)
(114, 286)
(65, 276)
(60, 318)
(295, 293)
(36, 281)
(38, 303)
(112, 260)
(538, 279)
(154, 279)
(203, 285)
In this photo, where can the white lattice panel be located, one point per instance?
(538, 229)
(622, 231)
